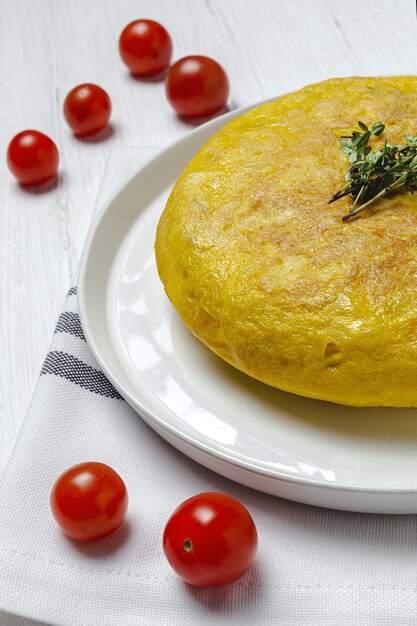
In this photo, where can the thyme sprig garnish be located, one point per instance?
(373, 174)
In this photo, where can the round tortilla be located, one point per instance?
(264, 271)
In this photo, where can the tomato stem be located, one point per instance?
(187, 545)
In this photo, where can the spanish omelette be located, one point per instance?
(264, 271)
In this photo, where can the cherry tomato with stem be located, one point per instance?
(87, 109)
(32, 157)
(89, 501)
(145, 47)
(197, 86)
(210, 540)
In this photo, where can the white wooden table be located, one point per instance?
(48, 46)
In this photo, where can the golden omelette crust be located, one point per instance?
(265, 273)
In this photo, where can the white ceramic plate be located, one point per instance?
(301, 449)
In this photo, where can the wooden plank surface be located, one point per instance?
(268, 47)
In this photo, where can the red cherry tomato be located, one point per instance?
(87, 109)
(89, 501)
(197, 86)
(210, 540)
(32, 157)
(145, 47)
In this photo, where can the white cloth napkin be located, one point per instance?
(314, 567)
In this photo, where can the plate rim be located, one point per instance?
(148, 415)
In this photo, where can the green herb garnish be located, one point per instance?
(373, 174)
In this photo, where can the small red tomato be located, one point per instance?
(210, 540)
(32, 157)
(197, 86)
(145, 47)
(89, 501)
(87, 109)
